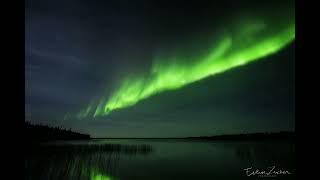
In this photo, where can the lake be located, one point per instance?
(161, 159)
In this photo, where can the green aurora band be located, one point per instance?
(249, 41)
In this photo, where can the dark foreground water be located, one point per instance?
(161, 160)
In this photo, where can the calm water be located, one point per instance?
(159, 159)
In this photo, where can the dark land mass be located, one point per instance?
(285, 135)
(44, 133)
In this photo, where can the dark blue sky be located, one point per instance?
(76, 50)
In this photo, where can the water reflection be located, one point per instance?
(68, 161)
(95, 175)
(156, 159)
(262, 153)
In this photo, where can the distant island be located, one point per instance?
(42, 133)
(251, 136)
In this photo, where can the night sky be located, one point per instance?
(78, 52)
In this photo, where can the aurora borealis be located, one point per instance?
(233, 50)
(137, 68)
(173, 76)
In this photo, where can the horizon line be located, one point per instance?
(184, 137)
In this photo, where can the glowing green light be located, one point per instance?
(100, 177)
(251, 42)
(97, 176)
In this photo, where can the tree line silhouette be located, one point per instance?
(38, 132)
